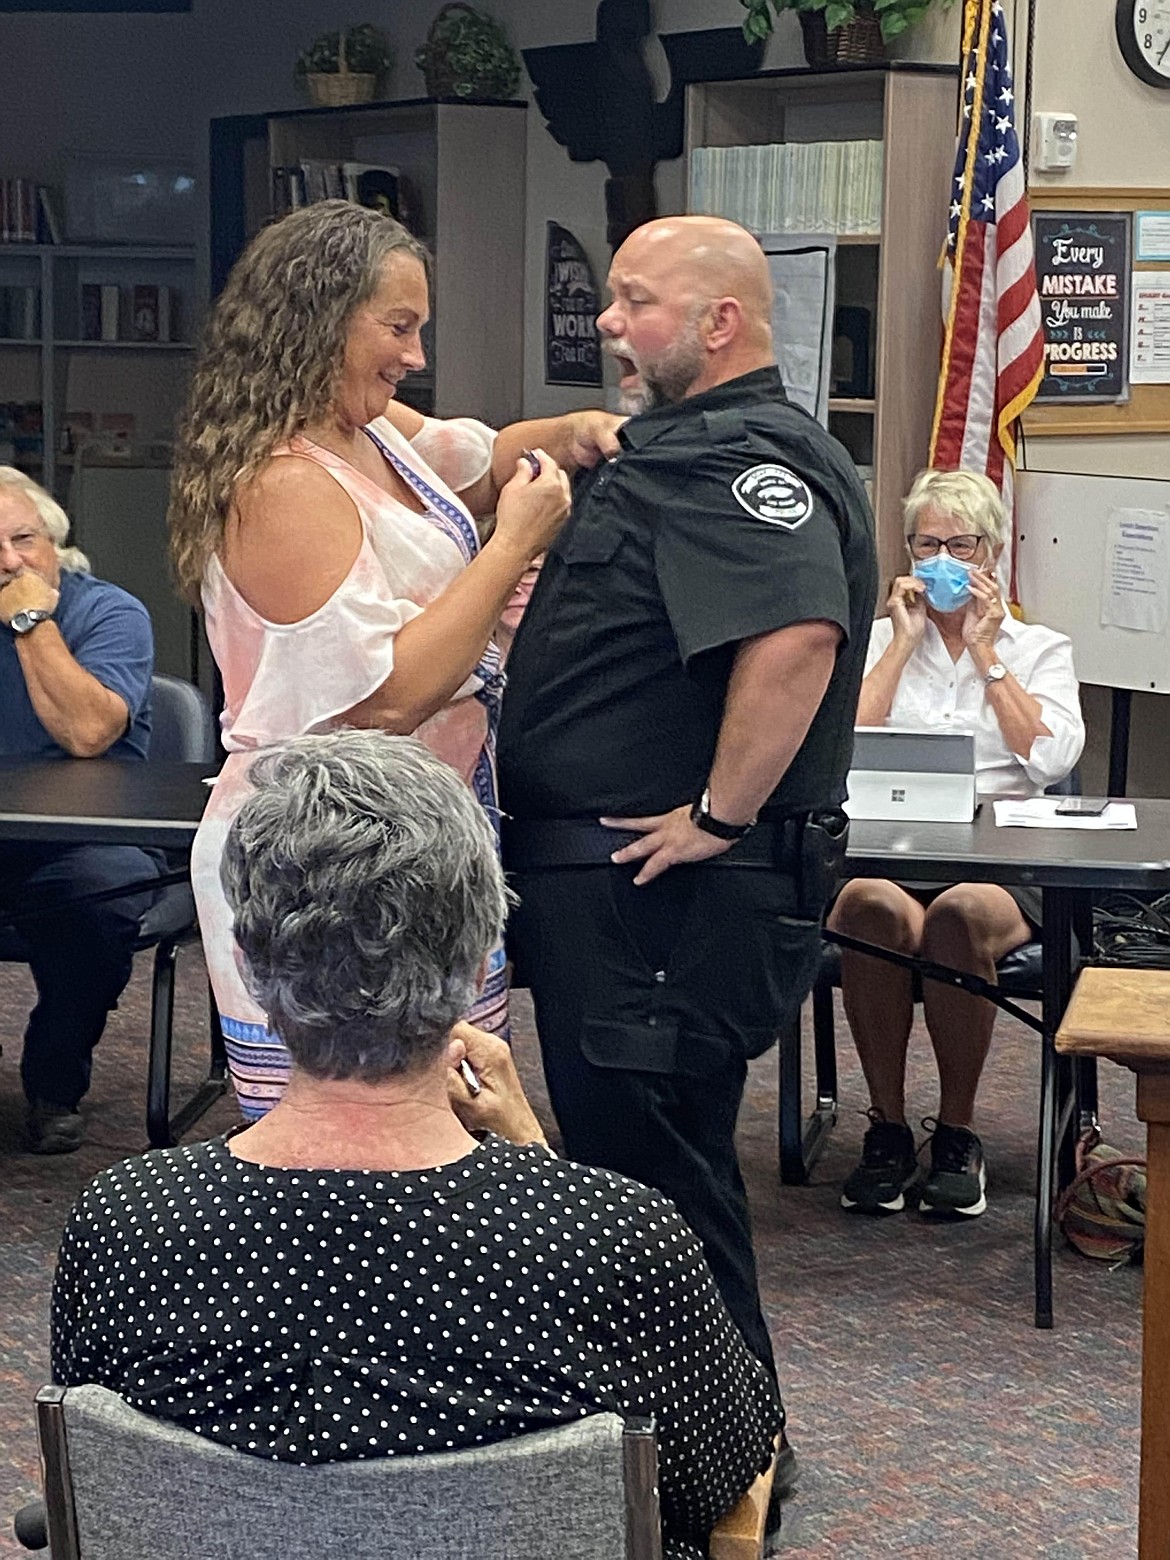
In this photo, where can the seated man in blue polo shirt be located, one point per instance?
(76, 656)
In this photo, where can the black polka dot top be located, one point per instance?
(311, 1315)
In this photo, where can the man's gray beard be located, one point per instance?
(643, 399)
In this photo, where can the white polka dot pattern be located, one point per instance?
(312, 1316)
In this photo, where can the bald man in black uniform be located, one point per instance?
(676, 733)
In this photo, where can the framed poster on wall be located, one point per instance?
(1083, 263)
(572, 349)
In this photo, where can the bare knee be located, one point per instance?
(880, 912)
(974, 923)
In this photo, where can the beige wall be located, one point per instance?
(1123, 141)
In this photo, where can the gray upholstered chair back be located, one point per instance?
(144, 1490)
(182, 725)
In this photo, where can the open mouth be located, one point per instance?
(627, 371)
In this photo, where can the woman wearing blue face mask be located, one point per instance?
(948, 654)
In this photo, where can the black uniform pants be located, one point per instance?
(80, 956)
(649, 1002)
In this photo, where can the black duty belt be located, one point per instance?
(533, 844)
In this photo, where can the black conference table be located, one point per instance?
(157, 805)
(1069, 866)
(101, 801)
(160, 804)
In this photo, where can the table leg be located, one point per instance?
(1153, 1106)
(1056, 946)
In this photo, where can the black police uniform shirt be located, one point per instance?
(725, 516)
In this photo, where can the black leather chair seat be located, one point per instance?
(1018, 973)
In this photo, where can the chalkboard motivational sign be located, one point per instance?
(572, 351)
(1083, 275)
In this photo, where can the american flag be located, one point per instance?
(993, 349)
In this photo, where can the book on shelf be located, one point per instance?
(153, 313)
(20, 313)
(18, 211)
(144, 312)
(49, 223)
(91, 311)
(792, 186)
(376, 185)
(111, 308)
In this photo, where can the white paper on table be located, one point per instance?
(1149, 329)
(1039, 812)
(1135, 587)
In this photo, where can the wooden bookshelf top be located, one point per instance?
(391, 104)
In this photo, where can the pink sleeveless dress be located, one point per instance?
(283, 680)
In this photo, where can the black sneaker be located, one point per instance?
(958, 1175)
(888, 1166)
(53, 1129)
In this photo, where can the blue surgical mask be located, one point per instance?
(947, 581)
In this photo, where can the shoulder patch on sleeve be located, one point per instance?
(775, 495)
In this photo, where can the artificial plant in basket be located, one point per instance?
(367, 53)
(892, 16)
(467, 55)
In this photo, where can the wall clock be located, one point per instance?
(1143, 32)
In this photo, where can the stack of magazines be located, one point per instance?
(796, 187)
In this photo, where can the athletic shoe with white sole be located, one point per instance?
(888, 1166)
(954, 1186)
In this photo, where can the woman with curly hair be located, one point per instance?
(330, 538)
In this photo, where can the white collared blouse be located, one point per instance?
(938, 692)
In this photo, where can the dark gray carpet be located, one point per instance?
(931, 1418)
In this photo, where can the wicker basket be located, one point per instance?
(860, 42)
(340, 87)
(457, 78)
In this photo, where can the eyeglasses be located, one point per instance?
(24, 541)
(963, 548)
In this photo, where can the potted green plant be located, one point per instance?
(345, 66)
(839, 32)
(467, 55)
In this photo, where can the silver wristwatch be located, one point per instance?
(21, 622)
(996, 672)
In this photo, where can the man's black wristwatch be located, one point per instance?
(702, 819)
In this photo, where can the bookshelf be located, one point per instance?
(53, 364)
(892, 275)
(465, 167)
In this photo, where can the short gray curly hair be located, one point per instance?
(366, 889)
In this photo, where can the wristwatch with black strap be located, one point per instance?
(23, 622)
(702, 819)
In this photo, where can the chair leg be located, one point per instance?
(61, 1517)
(825, 1046)
(162, 1130)
(793, 1170)
(801, 1146)
(1087, 1108)
(824, 1116)
(162, 1013)
(643, 1513)
(1055, 1088)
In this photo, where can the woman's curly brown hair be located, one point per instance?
(272, 354)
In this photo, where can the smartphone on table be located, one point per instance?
(1081, 806)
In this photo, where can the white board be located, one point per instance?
(1078, 574)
